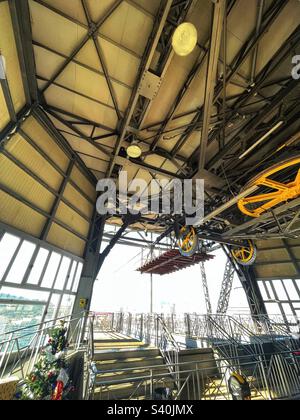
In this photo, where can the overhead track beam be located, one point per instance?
(145, 65)
(214, 52)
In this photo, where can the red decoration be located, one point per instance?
(58, 392)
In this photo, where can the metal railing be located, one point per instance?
(272, 378)
(20, 349)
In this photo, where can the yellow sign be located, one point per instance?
(82, 303)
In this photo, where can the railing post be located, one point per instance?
(187, 325)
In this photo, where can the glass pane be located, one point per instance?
(16, 316)
(287, 309)
(66, 306)
(77, 278)
(54, 301)
(279, 290)
(62, 275)
(21, 294)
(21, 263)
(71, 276)
(51, 270)
(8, 246)
(293, 294)
(273, 309)
(269, 289)
(38, 266)
(263, 290)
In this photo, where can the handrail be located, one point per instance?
(79, 315)
(17, 357)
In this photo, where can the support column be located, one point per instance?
(94, 260)
(91, 264)
(250, 286)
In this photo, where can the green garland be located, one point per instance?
(50, 369)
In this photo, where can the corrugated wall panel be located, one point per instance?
(27, 155)
(272, 255)
(60, 237)
(83, 183)
(20, 182)
(4, 115)
(78, 201)
(20, 216)
(39, 135)
(69, 217)
(9, 51)
(275, 270)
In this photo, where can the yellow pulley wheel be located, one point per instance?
(245, 255)
(187, 241)
(279, 192)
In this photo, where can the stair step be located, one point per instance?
(124, 391)
(121, 354)
(129, 363)
(129, 376)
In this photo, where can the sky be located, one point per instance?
(120, 287)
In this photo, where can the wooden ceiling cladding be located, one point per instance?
(9, 51)
(88, 76)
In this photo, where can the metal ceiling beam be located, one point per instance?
(8, 100)
(191, 77)
(85, 26)
(78, 118)
(76, 61)
(264, 218)
(250, 128)
(13, 127)
(85, 39)
(83, 136)
(142, 165)
(101, 58)
(62, 142)
(21, 21)
(57, 202)
(212, 67)
(269, 17)
(145, 65)
(177, 14)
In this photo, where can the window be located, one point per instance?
(21, 294)
(66, 306)
(8, 247)
(263, 290)
(71, 276)
(281, 294)
(38, 266)
(62, 275)
(273, 309)
(21, 263)
(269, 290)
(77, 278)
(293, 294)
(51, 271)
(53, 306)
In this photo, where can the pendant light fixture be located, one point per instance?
(184, 39)
(134, 151)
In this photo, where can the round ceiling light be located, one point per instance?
(134, 151)
(184, 39)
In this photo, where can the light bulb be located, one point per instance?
(184, 39)
(134, 151)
